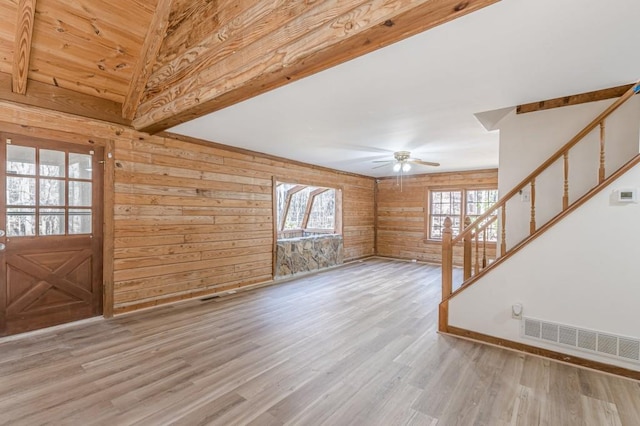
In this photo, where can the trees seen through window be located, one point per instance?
(458, 204)
(305, 208)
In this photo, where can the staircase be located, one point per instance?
(472, 239)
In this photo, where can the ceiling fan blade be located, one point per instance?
(382, 161)
(381, 165)
(424, 163)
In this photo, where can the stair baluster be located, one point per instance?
(532, 224)
(503, 231)
(477, 269)
(484, 248)
(565, 196)
(601, 171)
(467, 251)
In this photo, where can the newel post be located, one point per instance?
(467, 250)
(447, 276)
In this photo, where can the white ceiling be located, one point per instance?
(421, 94)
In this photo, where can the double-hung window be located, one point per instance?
(457, 204)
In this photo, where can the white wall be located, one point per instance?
(584, 271)
(527, 140)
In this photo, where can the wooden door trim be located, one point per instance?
(108, 230)
(97, 200)
(3, 240)
(13, 129)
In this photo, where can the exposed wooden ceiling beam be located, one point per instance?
(150, 48)
(598, 95)
(276, 49)
(64, 100)
(22, 50)
(237, 28)
(196, 25)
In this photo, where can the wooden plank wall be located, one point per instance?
(192, 219)
(402, 215)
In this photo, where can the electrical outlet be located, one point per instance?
(516, 311)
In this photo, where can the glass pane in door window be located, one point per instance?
(51, 222)
(21, 222)
(51, 192)
(80, 194)
(21, 160)
(79, 221)
(21, 191)
(52, 163)
(80, 166)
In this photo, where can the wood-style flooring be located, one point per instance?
(355, 345)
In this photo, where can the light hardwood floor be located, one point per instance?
(352, 346)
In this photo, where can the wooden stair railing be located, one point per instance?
(473, 266)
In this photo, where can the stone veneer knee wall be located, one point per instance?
(307, 254)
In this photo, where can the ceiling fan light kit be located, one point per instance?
(402, 164)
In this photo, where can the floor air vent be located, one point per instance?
(608, 344)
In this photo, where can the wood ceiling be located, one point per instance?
(158, 63)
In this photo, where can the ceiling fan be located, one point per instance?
(402, 162)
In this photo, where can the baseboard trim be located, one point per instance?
(406, 260)
(52, 329)
(540, 352)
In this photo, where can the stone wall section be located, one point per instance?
(308, 254)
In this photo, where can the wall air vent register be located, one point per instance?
(620, 347)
